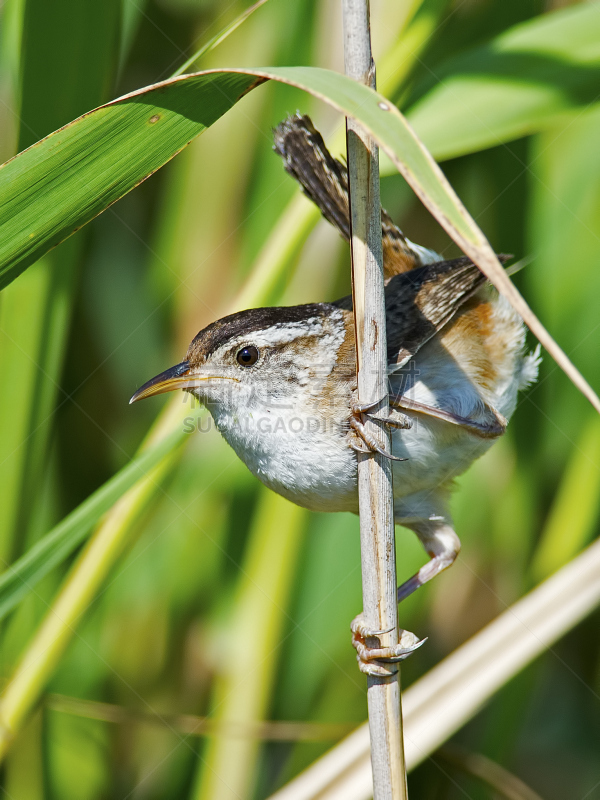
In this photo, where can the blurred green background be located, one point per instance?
(229, 602)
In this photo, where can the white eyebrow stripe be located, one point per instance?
(284, 333)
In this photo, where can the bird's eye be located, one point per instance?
(247, 356)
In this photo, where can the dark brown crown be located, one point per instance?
(246, 322)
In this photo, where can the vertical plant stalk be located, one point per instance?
(374, 471)
(230, 765)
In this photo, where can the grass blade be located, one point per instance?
(22, 576)
(191, 725)
(500, 780)
(573, 516)
(228, 768)
(74, 598)
(55, 86)
(218, 38)
(108, 541)
(397, 64)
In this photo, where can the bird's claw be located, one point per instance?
(364, 408)
(371, 443)
(360, 447)
(380, 661)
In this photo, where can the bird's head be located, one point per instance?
(258, 358)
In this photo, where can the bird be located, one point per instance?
(280, 382)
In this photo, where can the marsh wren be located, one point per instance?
(280, 383)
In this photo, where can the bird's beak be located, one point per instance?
(177, 377)
(180, 376)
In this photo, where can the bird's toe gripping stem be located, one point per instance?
(366, 442)
(380, 661)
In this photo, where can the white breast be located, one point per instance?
(298, 456)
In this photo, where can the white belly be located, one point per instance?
(436, 452)
(296, 456)
(317, 469)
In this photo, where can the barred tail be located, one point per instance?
(324, 180)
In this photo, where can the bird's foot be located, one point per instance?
(379, 661)
(365, 441)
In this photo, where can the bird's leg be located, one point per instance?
(373, 658)
(441, 543)
(492, 426)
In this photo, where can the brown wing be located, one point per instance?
(421, 302)
(324, 180)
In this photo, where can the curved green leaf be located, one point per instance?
(65, 180)
(516, 85)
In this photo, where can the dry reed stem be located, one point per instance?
(374, 471)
